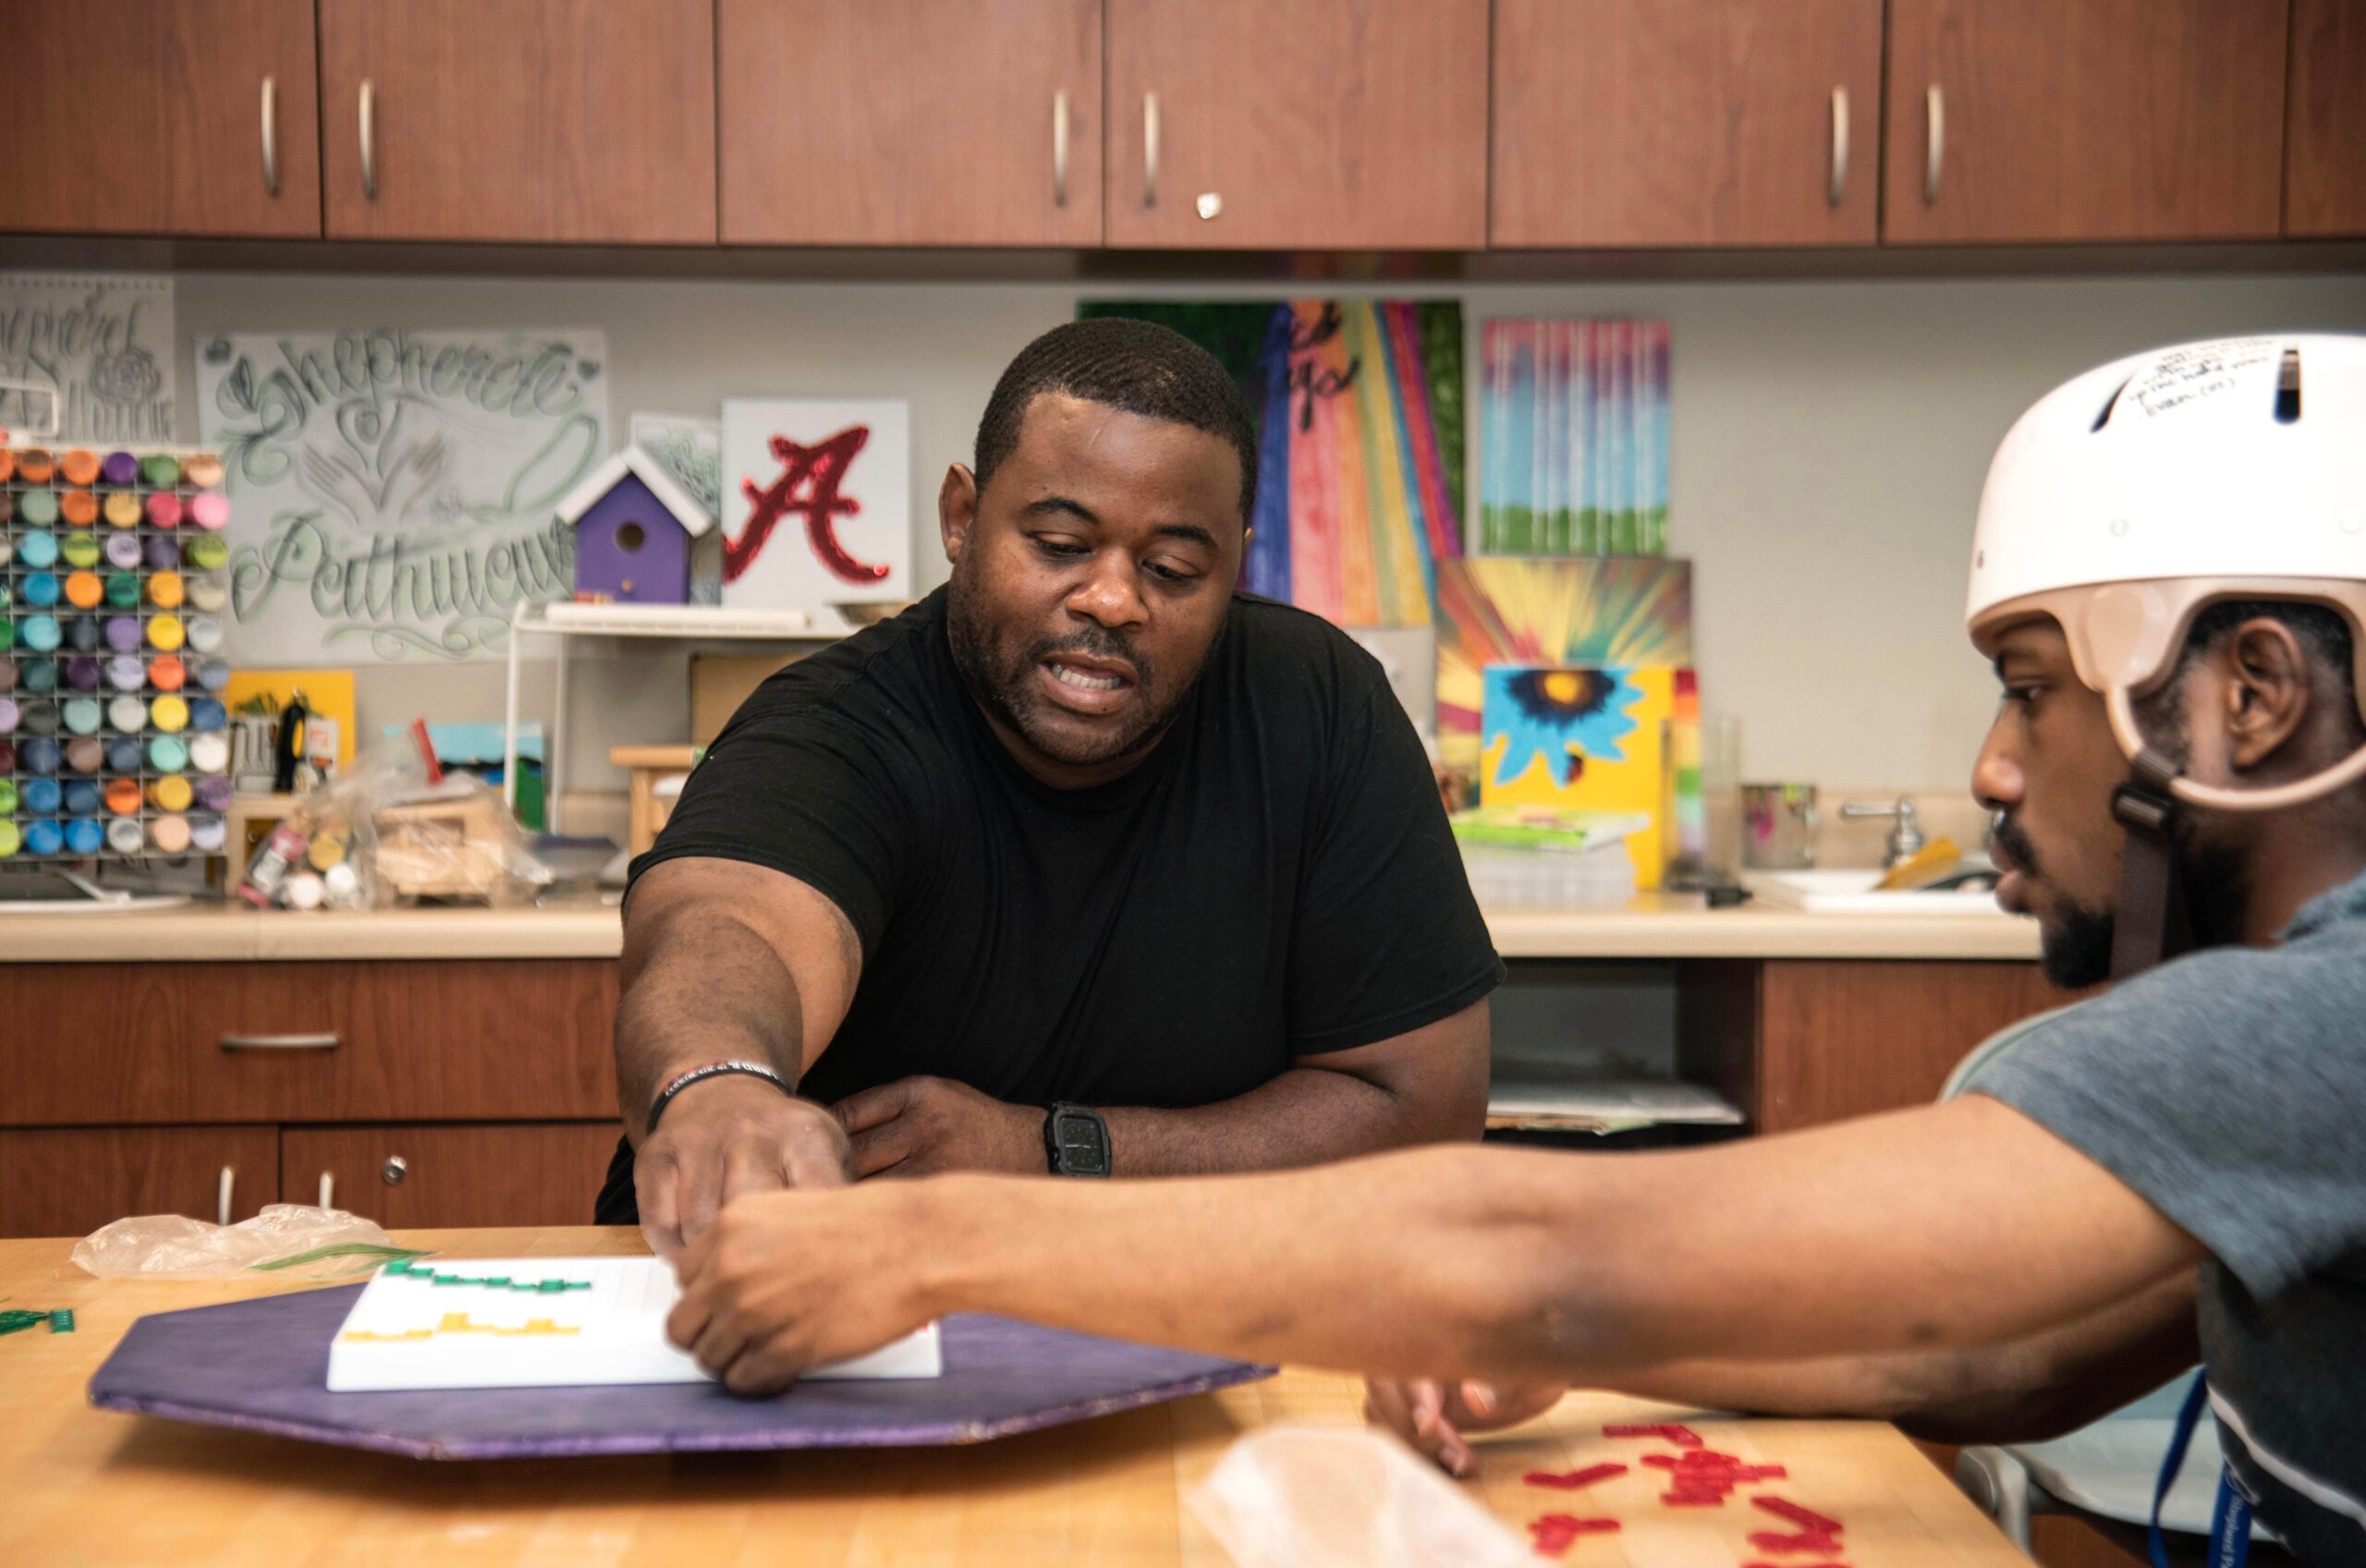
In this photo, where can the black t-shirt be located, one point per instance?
(1274, 881)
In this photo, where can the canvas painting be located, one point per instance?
(1573, 423)
(1583, 738)
(391, 492)
(1549, 612)
(817, 500)
(1359, 414)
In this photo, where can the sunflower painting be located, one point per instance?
(1583, 738)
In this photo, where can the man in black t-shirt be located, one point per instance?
(1086, 829)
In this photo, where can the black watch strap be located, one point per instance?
(1075, 1141)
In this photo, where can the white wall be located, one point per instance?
(1829, 442)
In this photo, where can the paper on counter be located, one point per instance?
(606, 1328)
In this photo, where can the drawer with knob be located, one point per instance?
(409, 1175)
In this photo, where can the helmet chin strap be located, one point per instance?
(2152, 925)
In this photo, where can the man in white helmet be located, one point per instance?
(2170, 577)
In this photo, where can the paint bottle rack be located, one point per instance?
(114, 588)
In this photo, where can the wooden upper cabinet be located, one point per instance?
(160, 117)
(585, 121)
(1297, 124)
(1686, 122)
(921, 122)
(2325, 160)
(2034, 120)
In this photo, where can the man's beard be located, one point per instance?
(2075, 947)
(1007, 690)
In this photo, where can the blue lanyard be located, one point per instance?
(2230, 1520)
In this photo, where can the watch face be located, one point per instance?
(1084, 1148)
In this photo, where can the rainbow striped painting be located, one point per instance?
(1360, 411)
(1573, 421)
(1554, 613)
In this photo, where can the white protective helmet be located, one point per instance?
(2127, 499)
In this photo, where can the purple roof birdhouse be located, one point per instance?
(640, 539)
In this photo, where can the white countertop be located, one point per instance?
(1651, 927)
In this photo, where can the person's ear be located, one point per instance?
(956, 509)
(2267, 679)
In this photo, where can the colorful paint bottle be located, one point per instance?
(213, 793)
(169, 834)
(79, 467)
(43, 837)
(209, 511)
(82, 798)
(119, 467)
(207, 716)
(81, 716)
(34, 464)
(40, 589)
(123, 590)
(122, 796)
(123, 757)
(167, 633)
(123, 631)
(83, 836)
(37, 675)
(161, 551)
(164, 509)
(162, 469)
(124, 672)
(78, 507)
(41, 633)
(128, 713)
(207, 834)
(7, 675)
(169, 714)
(83, 590)
(36, 551)
(122, 551)
(82, 673)
(171, 793)
(10, 715)
(209, 752)
(7, 797)
(37, 508)
(204, 633)
(79, 550)
(213, 674)
(165, 590)
(43, 797)
(121, 509)
(10, 839)
(87, 754)
(167, 673)
(82, 634)
(39, 716)
(168, 754)
(209, 593)
(204, 469)
(124, 835)
(204, 553)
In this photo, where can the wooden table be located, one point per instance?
(83, 1485)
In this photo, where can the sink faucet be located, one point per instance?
(1905, 839)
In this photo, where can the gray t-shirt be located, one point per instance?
(2229, 1089)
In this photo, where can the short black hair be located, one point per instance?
(1137, 366)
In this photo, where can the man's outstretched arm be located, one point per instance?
(1957, 1224)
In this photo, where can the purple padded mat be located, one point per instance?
(262, 1366)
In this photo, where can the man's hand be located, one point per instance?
(1433, 1416)
(919, 1126)
(723, 1138)
(785, 1280)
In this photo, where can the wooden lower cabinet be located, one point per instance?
(411, 1176)
(71, 1181)
(1797, 1043)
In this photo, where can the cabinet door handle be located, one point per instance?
(1935, 127)
(328, 1190)
(271, 136)
(369, 140)
(222, 1195)
(392, 1171)
(1837, 182)
(279, 1042)
(1150, 149)
(1059, 149)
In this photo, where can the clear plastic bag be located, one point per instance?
(292, 1238)
(1345, 1497)
(393, 828)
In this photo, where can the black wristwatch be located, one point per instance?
(1075, 1141)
